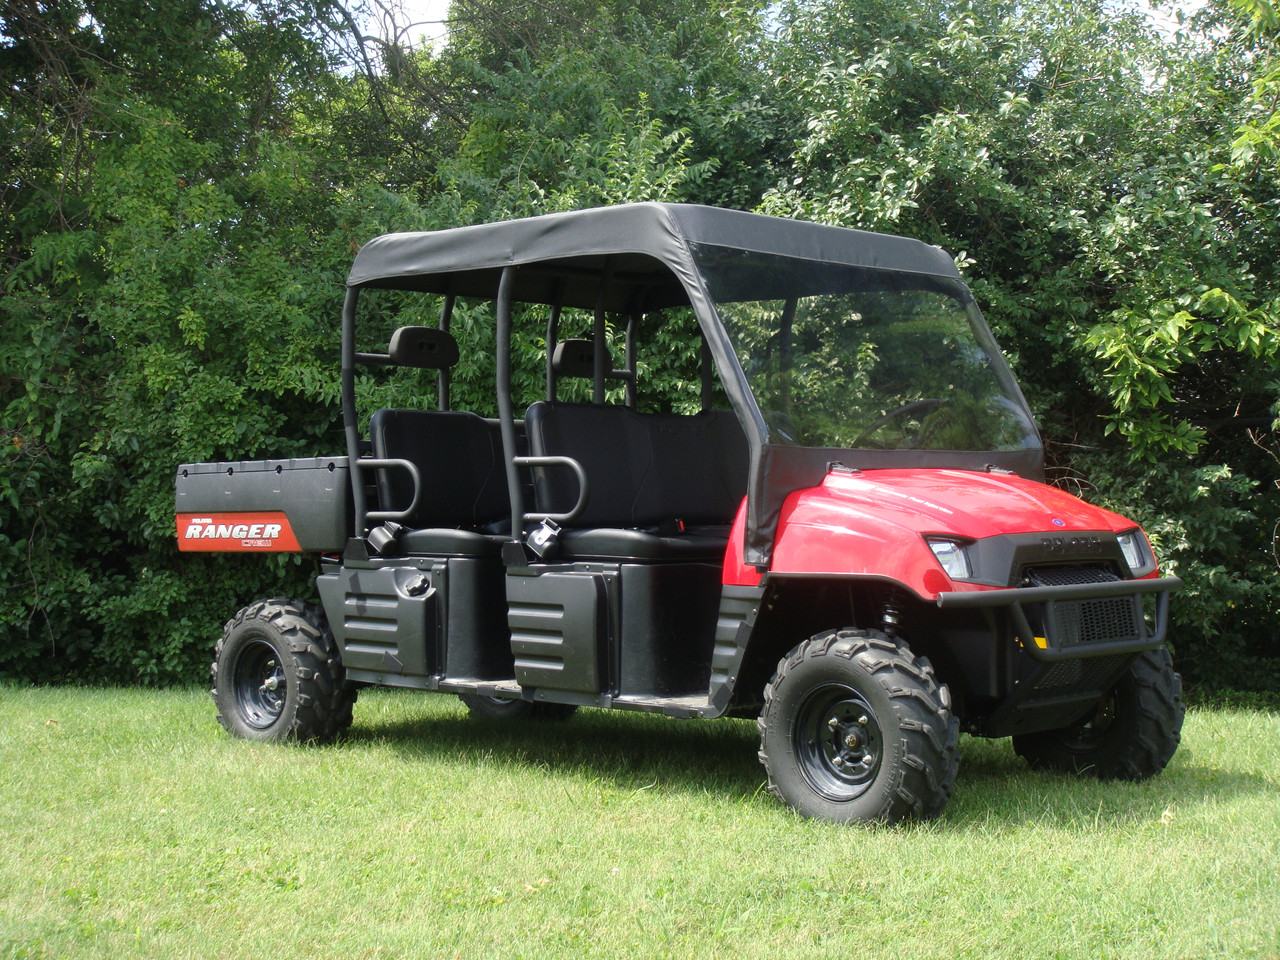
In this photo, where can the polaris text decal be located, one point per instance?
(236, 532)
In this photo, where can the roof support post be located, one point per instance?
(633, 324)
(350, 428)
(603, 361)
(446, 315)
(553, 339)
(506, 411)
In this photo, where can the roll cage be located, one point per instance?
(631, 260)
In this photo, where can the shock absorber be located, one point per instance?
(889, 618)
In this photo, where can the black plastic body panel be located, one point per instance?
(477, 641)
(559, 629)
(668, 628)
(384, 618)
(619, 632)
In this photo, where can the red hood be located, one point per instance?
(965, 503)
(872, 523)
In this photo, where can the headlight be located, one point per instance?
(952, 556)
(1133, 545)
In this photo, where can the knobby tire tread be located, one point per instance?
(922, 711)
(325, 697)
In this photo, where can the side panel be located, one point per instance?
(668, 628)
(385, 618)
(559, 630)
(477, 639)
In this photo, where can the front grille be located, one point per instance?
(1093, 621)
(1086, 621)
(1072, 676)
(1067, 576)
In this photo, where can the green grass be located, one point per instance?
(134, 827)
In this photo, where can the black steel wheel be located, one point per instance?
(259, 684)
(856, 728)
(497, 708)
(277, 675)
(838, 741)
(1131, 734)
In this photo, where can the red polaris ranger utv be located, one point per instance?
(837, 526)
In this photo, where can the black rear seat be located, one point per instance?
(661, 486)
(464, 481)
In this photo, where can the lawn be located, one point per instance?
(134, 827)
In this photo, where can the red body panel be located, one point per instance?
(873, 523)
(264, 532)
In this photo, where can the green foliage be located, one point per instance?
(1204, 524)
(183, 184)
(168, 304)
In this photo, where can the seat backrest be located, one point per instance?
(642, 469)
(459, 458)
(699, 468)
(609, 444)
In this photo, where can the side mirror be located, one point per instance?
(424, 347)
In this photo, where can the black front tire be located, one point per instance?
(1131, 734)
(277, 675)
(856, 728)
(496, 708)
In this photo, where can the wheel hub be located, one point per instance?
(261, 685)
(838, 742)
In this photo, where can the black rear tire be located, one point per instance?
(496, 708)
(277, 675)
(1131, 734)
(856, 728)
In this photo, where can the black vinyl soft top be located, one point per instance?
(648, 246)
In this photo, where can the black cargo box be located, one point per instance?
(228, 506)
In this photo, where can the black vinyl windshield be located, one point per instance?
(856, 358)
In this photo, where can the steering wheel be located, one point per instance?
(928, 403)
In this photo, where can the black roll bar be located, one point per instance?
(349, 427)
(601, 352)
(444, 376)
(506, 411)
(553, 337)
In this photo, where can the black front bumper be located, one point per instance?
(1059, 611)
(1073, 644)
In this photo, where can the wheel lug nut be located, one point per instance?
(868, 759)
(864, 719)
(838, 761)
(833, 723)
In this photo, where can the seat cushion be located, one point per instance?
(445, 542)
(616, 543)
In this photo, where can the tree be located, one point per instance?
(183, 184)
(1079, 166)
(165, 235)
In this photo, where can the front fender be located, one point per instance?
(819, 536)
